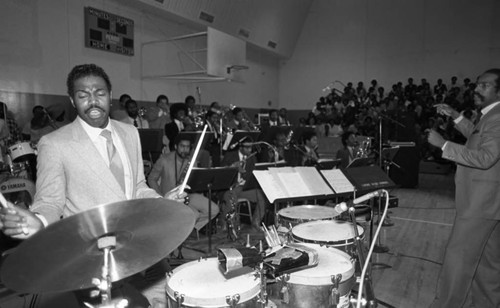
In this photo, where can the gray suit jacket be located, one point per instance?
(73, 177)
(477, 179)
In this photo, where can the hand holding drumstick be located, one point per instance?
(17, 222)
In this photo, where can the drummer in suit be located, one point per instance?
(74, 171)
(472, 258)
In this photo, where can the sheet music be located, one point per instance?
(291, 182)
(314, 181)
(338, 181)
(271, 186)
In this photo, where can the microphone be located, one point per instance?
(234, 145)
(232, 259)
(344, 206)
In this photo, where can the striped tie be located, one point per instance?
(115, 163)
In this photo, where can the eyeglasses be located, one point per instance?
(484, 85)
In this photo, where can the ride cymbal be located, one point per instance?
(64, 256)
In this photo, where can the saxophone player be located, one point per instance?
(169, 172)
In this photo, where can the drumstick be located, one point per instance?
(5, 205)
(193, 159)
(3, 202)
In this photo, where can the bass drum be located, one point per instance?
(202, 284)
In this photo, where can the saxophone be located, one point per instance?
(183, 176)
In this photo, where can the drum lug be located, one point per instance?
(284, 291)
(233, 301)
(335, 294)
(179, 298)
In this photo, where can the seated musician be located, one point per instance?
(348, 152)
(240, 121)
(178, 113)
(269, 155)
(305, 154)
(245, 161)
(169, 171)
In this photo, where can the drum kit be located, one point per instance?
(256, 282)
(113, 241)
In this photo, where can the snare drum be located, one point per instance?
(332, 233)
(314, 286)
(295, 215)
(19, 151)
(202, 284)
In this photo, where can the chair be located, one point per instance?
(241, 201)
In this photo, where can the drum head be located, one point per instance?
(331, 262)
(204, 285)
(328, 232)
(308, 212)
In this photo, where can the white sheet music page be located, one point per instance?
(292, 181)
(317, 186)
(271, 185)
(338, 181)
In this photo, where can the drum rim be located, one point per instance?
(339, 243)
(213, 301)
(300, 279)
(281, 213)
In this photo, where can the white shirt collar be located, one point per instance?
(486, 109)
(94, 132)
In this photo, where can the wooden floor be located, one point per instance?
(406, 275)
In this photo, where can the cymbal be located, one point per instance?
(64, 256)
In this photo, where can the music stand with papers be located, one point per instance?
(209, 179)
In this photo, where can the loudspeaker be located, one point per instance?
(407, 158)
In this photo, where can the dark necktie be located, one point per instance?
(135, 123)
(115, 163)
(478, 117)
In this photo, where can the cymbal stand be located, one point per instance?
(106, 244)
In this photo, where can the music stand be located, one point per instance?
(151, 142)
(270, 133)
(209, 179)
(361, 162)
(231, 142)
(328, 164)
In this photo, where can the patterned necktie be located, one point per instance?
(115, 163)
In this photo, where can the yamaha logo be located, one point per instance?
(12, 186)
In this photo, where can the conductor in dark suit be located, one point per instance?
(472, 257)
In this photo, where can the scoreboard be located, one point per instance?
(110, 32)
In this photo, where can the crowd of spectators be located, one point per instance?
(405, 111)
